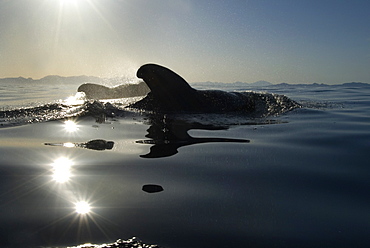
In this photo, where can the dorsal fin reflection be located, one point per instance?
(168, 134)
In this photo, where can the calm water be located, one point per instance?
(300, 179)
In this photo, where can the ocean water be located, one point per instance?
(295, 179)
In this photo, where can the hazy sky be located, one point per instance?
(293, 41)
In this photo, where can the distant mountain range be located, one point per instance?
(266, 84)
(351, 84)
(219, 84)
(121, 80)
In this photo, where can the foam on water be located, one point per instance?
(130, 243)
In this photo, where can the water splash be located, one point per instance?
(130, 243)
(266, 105)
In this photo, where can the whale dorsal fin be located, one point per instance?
(167, 87)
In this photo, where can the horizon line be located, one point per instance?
(212, 82)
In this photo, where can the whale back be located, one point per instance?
(170, 92)
(168, 88)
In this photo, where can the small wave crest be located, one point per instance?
(267, 104)
(41, 113)
(56, 111)
(77, 105)
(120, 243)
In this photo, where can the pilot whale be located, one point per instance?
(170, 92)
(96, 91)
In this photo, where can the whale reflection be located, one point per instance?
(168, 134)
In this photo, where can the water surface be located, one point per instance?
(300, 179)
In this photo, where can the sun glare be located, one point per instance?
(69, 145)
(62, 170)
(68, 1)
(82, 207)
(77, 99)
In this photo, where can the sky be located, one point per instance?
(291, 41)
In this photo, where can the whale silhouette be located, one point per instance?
(96, 91)
(169, 92)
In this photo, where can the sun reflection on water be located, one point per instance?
(69, 145)
(62, 169)
(70, 126)
(82, 207)
(82, 211)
